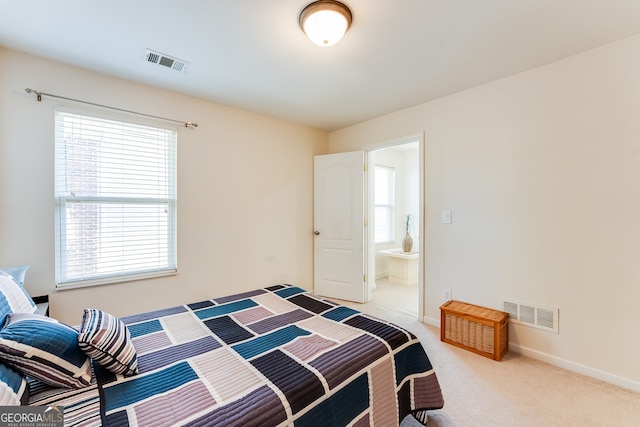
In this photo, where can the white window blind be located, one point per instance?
(384, 202)
(115, 190)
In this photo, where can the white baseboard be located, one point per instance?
(569, 365)
(579, 368)
(431, 321)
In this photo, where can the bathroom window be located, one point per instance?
(116, 203)
(384, 200)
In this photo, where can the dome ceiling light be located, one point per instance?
(325, 21)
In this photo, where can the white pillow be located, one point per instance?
(13, 298)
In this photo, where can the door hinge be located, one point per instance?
(364, 278)
(364, 166)
(366, 222)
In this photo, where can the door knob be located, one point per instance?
(317, 233)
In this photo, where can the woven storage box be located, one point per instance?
(478, 329)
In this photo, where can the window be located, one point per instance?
(384, 203)
(115, 191)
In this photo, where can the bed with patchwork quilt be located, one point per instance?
(278, 356)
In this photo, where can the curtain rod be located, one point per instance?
(39, 96)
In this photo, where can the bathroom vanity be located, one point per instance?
(403, 266)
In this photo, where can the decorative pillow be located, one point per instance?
(45, 349)
(13, 296)
(14, 389)
(107, 341)
(17, 273)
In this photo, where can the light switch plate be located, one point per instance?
(446, 217)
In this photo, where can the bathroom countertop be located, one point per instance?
(399, 253)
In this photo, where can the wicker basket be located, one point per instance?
(478, 329)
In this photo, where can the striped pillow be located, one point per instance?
(107, 341)
(45, 349)
(14, 389)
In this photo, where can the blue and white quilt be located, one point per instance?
(277, 356)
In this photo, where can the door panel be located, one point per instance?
(339, 226)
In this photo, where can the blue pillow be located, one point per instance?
(44, 349)
(14, 389)
(14, 298)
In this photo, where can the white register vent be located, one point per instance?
(537, 316)
(166, 60)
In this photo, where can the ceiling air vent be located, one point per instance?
(545, 318)
(166, 61)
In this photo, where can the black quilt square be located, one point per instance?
(300, 386)
(310, 304)
(202, 304)
(228, 330)
(393, 336)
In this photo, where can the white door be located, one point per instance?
(339, 226)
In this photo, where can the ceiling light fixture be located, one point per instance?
(325, 21)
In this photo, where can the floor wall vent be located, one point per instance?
(536, 316)
(166, 60)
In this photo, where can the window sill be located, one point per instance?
(115, 279)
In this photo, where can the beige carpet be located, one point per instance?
(516, 392)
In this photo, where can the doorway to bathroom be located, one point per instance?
(395, 210)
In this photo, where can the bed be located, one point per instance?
(277, 356)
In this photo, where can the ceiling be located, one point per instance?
(252, 55)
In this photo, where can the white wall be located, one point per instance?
(411, 194)
(541, 171)
(245, 191)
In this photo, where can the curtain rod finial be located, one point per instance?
(38, 94)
